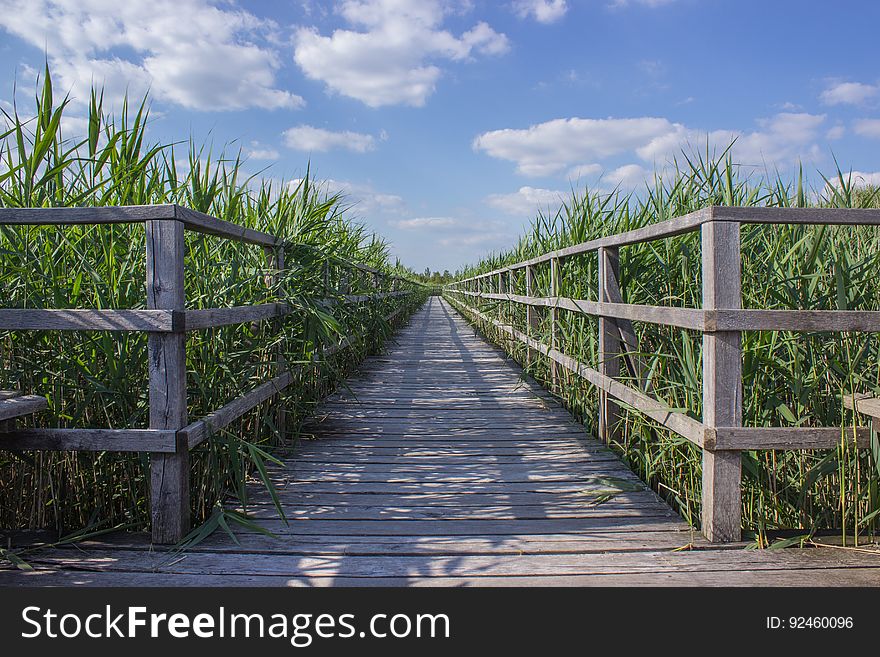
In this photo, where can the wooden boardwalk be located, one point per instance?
(441, 465)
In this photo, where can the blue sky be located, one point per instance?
(448, 123)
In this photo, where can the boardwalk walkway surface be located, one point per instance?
(441, 465)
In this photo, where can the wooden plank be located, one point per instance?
(689, 318)
(661, 230)
(125, 214)
(31, 319)
(214, 317)
(722, 382)
(416, 545)
(204, 223)
(473, 566)
(276, 281)
(169, 473)
(91, 440)
(778, 215)
(806, 577)
(554, 321)
(195, 433)
(624, 506)
(13, 407)
(785, 438)
(610, 346)
(793, 320)
(863, 403)
(691, 222)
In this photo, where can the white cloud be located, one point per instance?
(526, 201)
(858, 179)
(310, 138)
(848, 93)
(392, 55)
(424, 222)
(362, 197)
(627, 177)
(187, 52)
(835, 132)
(781, 139)
(583, 171)
(549, 148)
(258, 151)
(543, 11)
(867, 128)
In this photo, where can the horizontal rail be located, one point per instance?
(705, 320)
(16, 406)
(691, 222)
(198, 431)
(193, 220)
(91, 440)
(712, 438)
(158, 321)
(31, 319)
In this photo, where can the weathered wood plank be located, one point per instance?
(691, 222)
(461, 565)
(214, 317)
(195, 433)
(610, 346)
(784, 438)
(13, 407)
(169, 473)
(741, 577)
(29, 319)
(722, 382)
(93, 440)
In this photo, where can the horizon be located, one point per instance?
(450, 125)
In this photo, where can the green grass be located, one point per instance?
(99, 379)
(789, 378)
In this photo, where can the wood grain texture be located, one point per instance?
(90, 440)
(693, 221)
(166, 356)
(29, 319)
(17, 406)
(722, 381)
(610, 345)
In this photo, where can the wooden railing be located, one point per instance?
(722, 320)
(166, 320)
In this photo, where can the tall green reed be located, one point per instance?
(98, 379)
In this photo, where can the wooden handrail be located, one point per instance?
(171, 435)
(691, 222)
(721, 320)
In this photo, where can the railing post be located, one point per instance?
(554, 316)
(501, 290)
(609, 341)
(511, 308)
(722, 381)
(276, 262)
(169, 473)
(531, 315)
